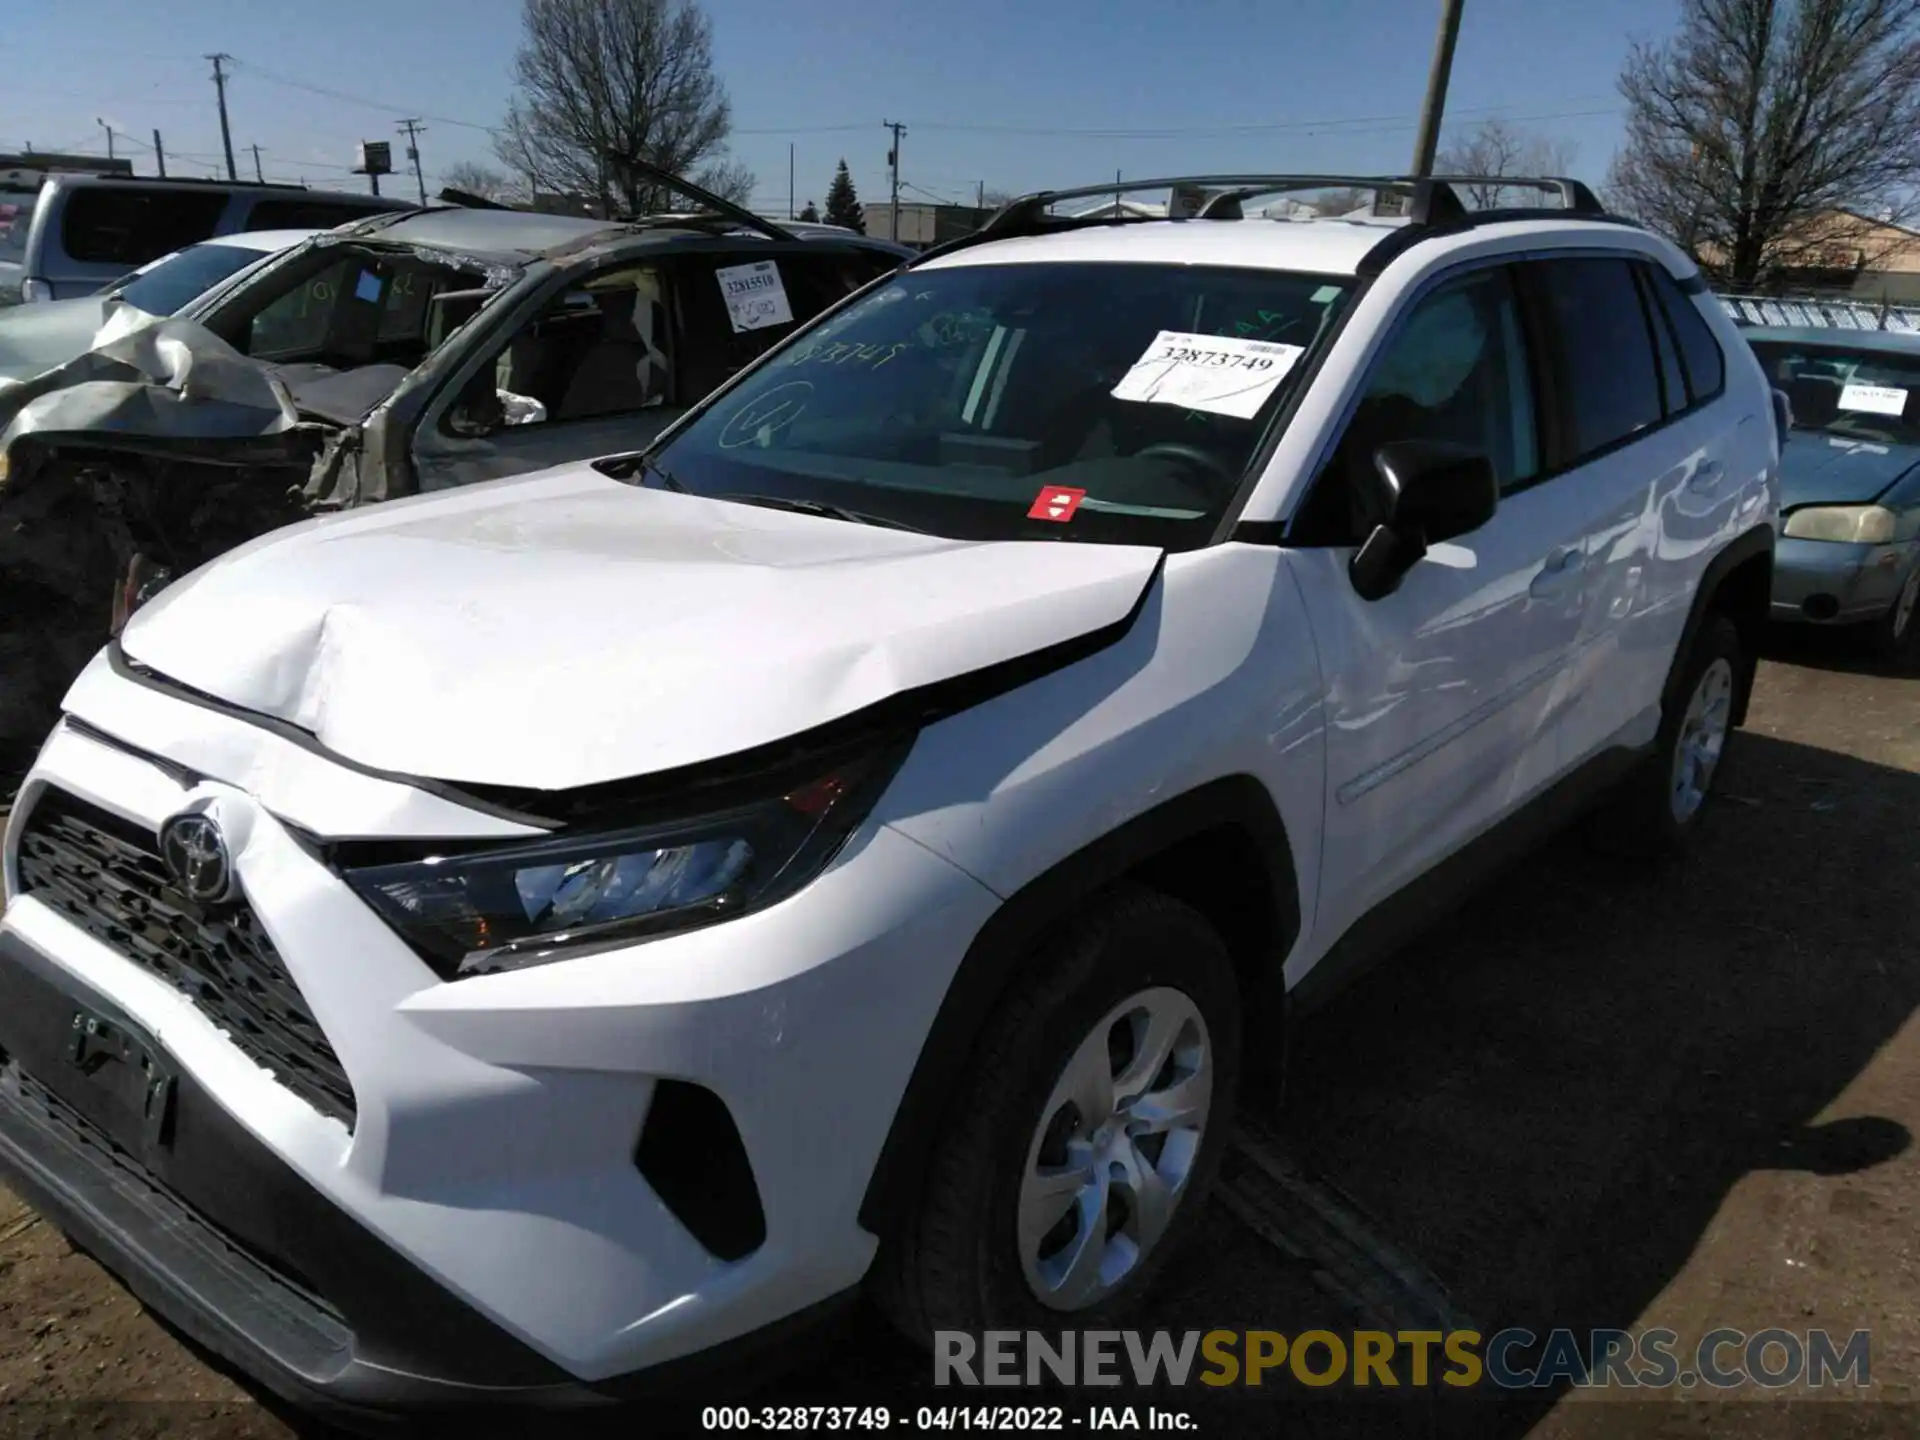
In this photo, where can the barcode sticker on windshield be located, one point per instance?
(1221, 374)
(1875, 399)
(755, 297)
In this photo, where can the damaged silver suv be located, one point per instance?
(400, 354)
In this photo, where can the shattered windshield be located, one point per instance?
(1837, 389)
(344, 307)
(186, 276)
(1103, 402)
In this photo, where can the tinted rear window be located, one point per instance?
(1613, 379)
(128, 225)
(307, 214)
(1699, 351)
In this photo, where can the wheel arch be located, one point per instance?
(1222, 848)
(1738, 583)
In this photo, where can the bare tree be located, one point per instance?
(1759, 133)
(1498, 147)
(482, 180)
(599, 81)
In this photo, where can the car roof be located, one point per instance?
(1893, 342)
(73, 180)
(1330, 245)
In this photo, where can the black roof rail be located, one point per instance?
(200, 180)
(1432, 201)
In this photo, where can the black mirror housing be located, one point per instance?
(1426, 491)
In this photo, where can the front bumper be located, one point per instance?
(489, 1169)
(1827, 582)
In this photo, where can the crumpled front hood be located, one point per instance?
(1820, 469)
(564, 629)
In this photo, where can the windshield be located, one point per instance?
(16, 214)
(1102, 402)
(186, 276)
(1838, 389)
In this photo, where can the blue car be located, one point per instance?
(1849, 552)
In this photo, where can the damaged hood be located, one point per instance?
(152, 376)
(565, 629)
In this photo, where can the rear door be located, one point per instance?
(612, 359)
(1645, 454)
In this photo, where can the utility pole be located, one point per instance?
(893, 160)
(1437, 77)
(159, 155)
(414, 131)
(220, 85)
(258, 174)
(109, 129)
(789, 180)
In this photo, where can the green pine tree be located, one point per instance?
(843, 206)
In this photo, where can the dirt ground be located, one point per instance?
(1597, 1097)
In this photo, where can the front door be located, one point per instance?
(1437, 722)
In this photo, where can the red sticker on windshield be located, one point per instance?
(1056, 502)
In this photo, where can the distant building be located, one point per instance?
(924, 225)
(1845, 254)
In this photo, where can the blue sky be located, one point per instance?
(1018, 94)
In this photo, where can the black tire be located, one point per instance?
(1641, 819)
(954, 1264)
(1891, 637)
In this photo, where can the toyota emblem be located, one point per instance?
(195, 854)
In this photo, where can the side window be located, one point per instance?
(1612, 376)
(768, 304)
(597, 349)
(1455, 369)
(1673, 382)
(1706, 367)
(127, 225)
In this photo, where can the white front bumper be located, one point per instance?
(497, 1117)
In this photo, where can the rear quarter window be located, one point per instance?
(1700, 353)
(128, 225)
(1606, 347)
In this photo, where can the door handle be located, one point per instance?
(1560, 573)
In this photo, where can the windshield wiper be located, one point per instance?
(820, 507)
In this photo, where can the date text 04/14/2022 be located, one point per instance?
(987, 1419)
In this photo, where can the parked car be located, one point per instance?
(34, 338)
(1850, 551)
(404, 353)
(867, 834)
(76, 234)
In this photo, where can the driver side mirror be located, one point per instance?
(1425, 491)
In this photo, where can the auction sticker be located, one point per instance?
(755, 297)
(1874, 399)
(1056, 502)
(1220, 374)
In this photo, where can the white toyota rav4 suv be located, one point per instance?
(506, 944)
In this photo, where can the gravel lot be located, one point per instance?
(1597, 1097)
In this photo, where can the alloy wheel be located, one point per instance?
(1702, 739)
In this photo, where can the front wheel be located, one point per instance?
(1658, 807)
(1079, 1147)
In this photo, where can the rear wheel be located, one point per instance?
(1659, 806)
(1077, 1151)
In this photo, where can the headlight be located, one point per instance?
(486, 911)
(1850, 524)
